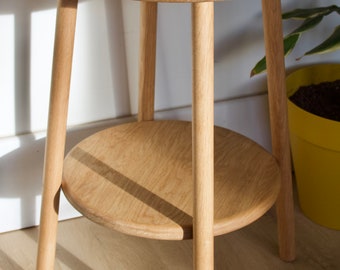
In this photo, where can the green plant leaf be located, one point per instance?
(260, 67)
(312, 17)
(332, 43)
(289, 43)
(310, 12)
(307, 24)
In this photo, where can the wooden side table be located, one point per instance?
(169, 179)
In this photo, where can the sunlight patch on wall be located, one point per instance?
(7, 103)
(12, 220)
(42, 39)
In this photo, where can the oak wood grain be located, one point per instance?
(56, 132)
(180, 1)
(272, 25)
(147, 60)
(203, 134)
(137, 178)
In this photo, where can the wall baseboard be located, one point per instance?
(21, 157)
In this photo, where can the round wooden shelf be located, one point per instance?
(136, 178)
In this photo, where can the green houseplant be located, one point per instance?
(310, 18)
(315, 140)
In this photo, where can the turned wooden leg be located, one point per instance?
(56, 132)
(147, 62)
(279, 125)
(203, 133)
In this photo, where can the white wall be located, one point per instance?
(105, 78)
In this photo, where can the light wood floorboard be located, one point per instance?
(83, 245)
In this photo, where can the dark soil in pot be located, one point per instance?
(320, 99)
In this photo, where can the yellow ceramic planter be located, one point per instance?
(315, 143)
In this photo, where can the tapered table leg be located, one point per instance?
(56, 133)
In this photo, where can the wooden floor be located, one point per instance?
(84, 245)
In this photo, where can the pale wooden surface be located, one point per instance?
(56, 133)
(180, 1)
(147, 60)
(177, 225)
(272, 25)
(145, 189)
(84, 245)
(203, 136)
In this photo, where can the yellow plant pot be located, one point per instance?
(315, 143)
